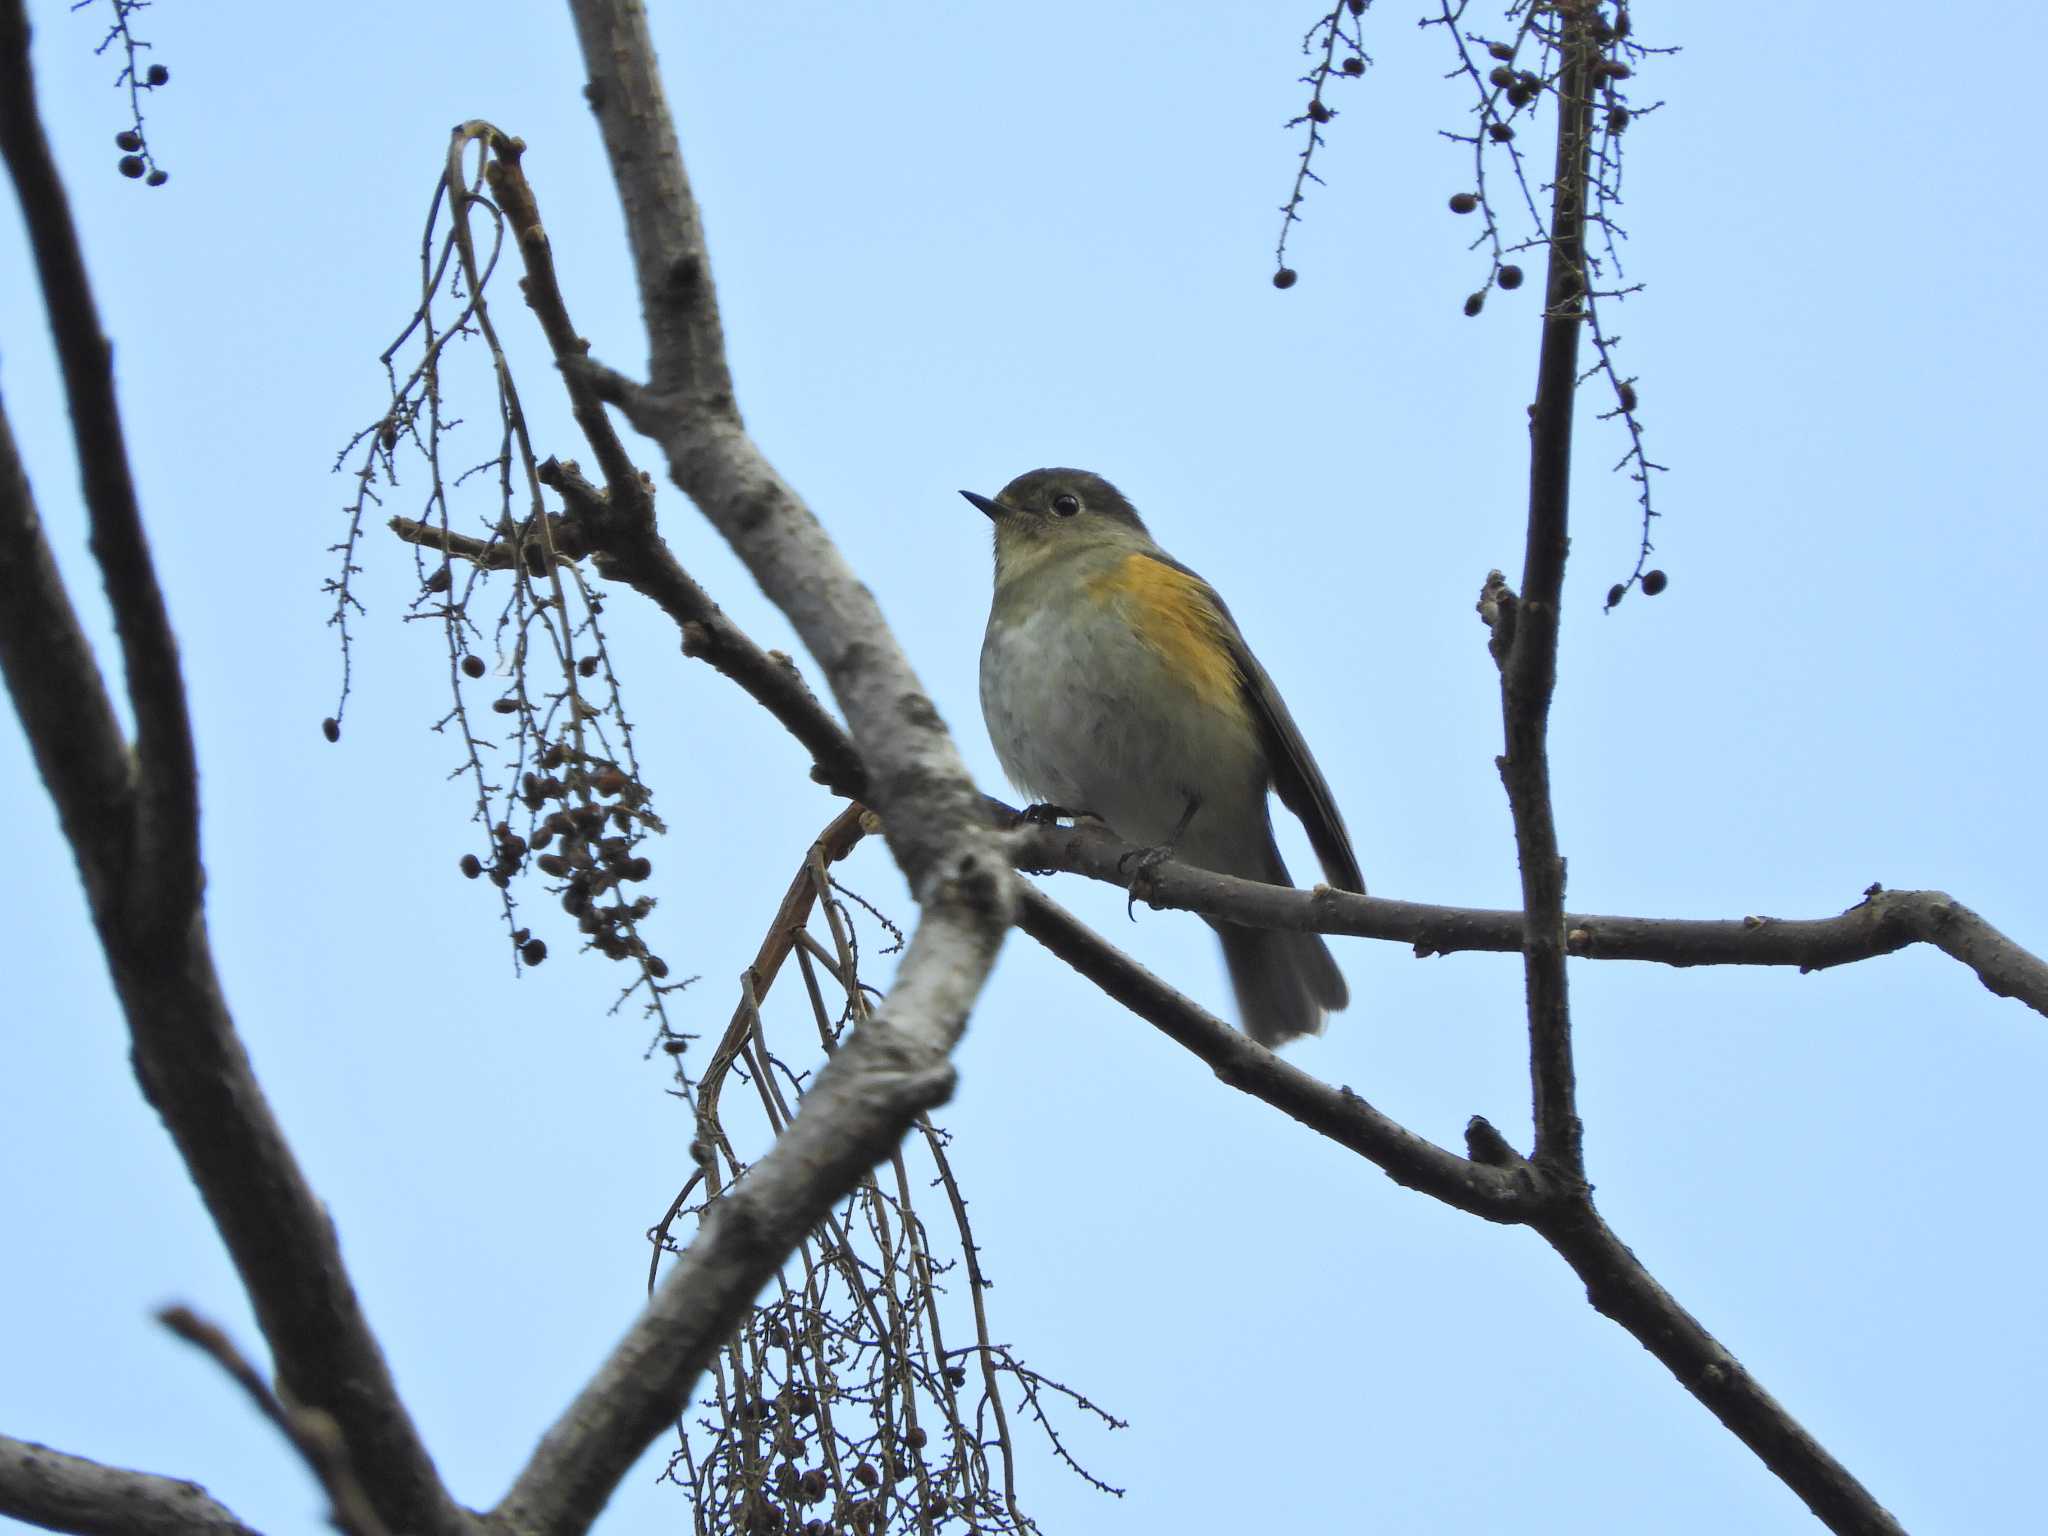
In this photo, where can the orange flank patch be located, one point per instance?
(1174, 616)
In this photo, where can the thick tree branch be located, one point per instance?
(139, 850)
(55, 683)
(61, 1492)
(916, 780)
(1619, 1287)
(161, 880)
(889, 1070)
(895, 1065)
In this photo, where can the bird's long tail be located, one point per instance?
(1285, 982)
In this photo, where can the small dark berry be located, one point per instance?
(533, 951)
(811, 1486)
(1474, 302)
(917, 1438)
(1354, 66)
(866, 1475)
(1614, 69)
(156, 178)
(1654, 582)
(331, 728)
(1615, 594)
(1520, 95)
(587, 666)
(440, 579)
(473, 666)
(675, 1047)
(1357, 7)
(1500, 133)
(1463, 202)
(387, 436)
(509, 705)
(553, 864)
(471, 866)
(637, 869)
(1502, 51)
(1501, 76)
(657, 967)
(1318, 113)
(130, 166)
(1509, 277)
(1284, 278)
(521, 935)
(157, 75)
(128, 139)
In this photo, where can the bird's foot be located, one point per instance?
(1137, 865)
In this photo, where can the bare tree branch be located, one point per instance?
(1528, 664)
(160, 887)
(1498, 1184)
(1619, 1287)
(1883, 923)
(61, 1492)
(895, 1064)
(1494, 1192)
(312, 1432)
(916, 781)
(139, 852)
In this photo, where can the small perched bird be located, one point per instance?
(1115, 684)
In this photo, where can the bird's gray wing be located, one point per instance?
(1300, 783)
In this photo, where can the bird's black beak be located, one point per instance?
(983, 504)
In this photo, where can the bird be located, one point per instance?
(1115, 684)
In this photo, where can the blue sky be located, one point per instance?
(953, 244)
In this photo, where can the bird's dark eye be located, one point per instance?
(1066, 504)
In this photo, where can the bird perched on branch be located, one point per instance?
(1116, 684)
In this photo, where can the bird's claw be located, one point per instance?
(1137, 865)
